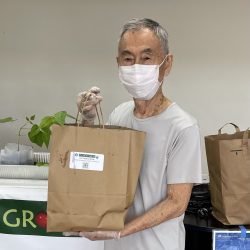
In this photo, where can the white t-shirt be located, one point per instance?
(171, 155)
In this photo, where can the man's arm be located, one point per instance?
(174, 205)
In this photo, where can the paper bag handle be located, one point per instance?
(245, 138)
(235, 126)
(100, 115)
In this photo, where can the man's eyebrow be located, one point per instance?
(147, 51)
(126, 52)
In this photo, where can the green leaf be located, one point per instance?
(46, 136)
(46, 122)
(7, 119)
(34, 131)
(32, 118)
(39, 135)
(42, 164)
(60, 117)
(36, 135)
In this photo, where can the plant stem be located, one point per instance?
(19, 136)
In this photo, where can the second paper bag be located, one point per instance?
(228, 157)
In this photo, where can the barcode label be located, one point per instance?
(86, 161)
(85, 165)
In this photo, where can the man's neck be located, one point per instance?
(152, 107)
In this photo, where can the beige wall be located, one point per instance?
(51, 49)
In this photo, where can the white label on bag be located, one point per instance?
(86, 161)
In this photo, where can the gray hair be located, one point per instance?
(136, 24)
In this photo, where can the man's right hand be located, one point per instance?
(86, 103)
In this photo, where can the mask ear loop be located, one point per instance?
(161, 82)
(163, 60)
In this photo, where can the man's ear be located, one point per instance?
(117, 61)
(168, 64)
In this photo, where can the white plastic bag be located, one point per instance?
(10, 155)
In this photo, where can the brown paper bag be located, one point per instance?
(93, 174)
(228, 158)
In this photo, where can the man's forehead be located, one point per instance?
(143, 40)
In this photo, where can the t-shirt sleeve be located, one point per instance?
(184, 158)
(111, 119)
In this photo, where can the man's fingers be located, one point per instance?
(101, 235)
(95, 90)
(71, 234)
(86, 234)
(91, 100)
(89, 235)
(86, 103)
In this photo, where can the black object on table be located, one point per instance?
(199, 222)
(199, 231)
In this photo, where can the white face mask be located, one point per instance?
(140, 80)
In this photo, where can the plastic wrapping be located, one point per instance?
(12, 155)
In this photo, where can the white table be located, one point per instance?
(20, 201)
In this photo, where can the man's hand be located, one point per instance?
(86, 103)
(101, 235)
(96, 235)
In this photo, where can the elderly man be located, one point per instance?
(171, 163)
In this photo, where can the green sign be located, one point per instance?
(24, 217)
